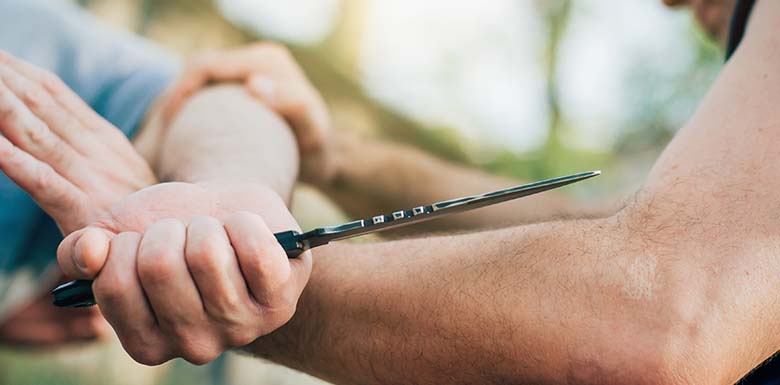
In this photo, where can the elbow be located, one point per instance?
(675, 333)
(664, 346)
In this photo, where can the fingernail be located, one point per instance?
(263, 86)
(79, 261)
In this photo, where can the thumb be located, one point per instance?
(82, 254)
(263, 87)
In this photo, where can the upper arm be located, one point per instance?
(710, 210)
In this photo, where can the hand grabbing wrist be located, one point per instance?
(213, 275)
(271, 74)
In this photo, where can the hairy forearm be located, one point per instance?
(624, 299)
(677, 288)
(222, 134)
(548, 303)
(373, 176)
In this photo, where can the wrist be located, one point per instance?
(222, 134)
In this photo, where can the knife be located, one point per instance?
(79, 293)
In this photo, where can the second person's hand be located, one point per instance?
(71, 161)
(271, 74)
(190, 270)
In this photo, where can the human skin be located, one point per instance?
(102, 160)
(656, 299)
(713, 15)
(676, 288)
(213, 146)
(335, 161)
(669, 290)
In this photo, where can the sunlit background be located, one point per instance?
(525, 88)
(520, 87)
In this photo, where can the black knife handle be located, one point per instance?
(79, 293)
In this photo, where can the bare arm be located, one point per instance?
(372, 176)
(678, 288)
(363, 176)
(163, 302)
(222, 135)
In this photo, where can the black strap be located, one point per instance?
(739, 20)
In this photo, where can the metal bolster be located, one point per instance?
(290, 242)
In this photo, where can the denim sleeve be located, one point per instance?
(115, 72)
(118, 74)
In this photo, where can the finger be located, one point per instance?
(65, 259)
(121, 299)
(232, 65)
(263, 262)
(33, 136)
(91, 250)
(82, 254)
(213, 265)
(298, 103)
(110, 142)
(167, 282)
(42, 105)
(54, 194)
(64, 96)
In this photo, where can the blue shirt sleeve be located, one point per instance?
(118, 74)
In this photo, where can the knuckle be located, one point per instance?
(237, 337)
(254, 258)
(156, 266)
(229, 310)
(43, 178)
(258, 248)
(38, 134)
(7, 153)
(199, 352)
(200, 258)
(170, 224)
(203, 256)
(274, 318)
(7, 112)
(284, 309)
(147, 355)
(109, 287)
(51, 82)
(128, 237)
(34, 98)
